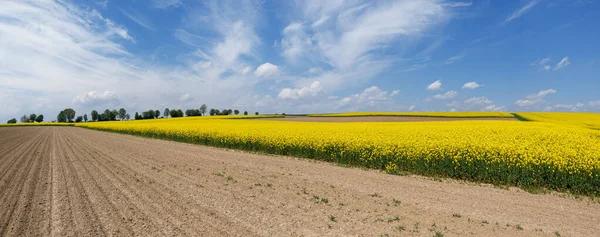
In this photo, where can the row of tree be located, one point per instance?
(69, 115)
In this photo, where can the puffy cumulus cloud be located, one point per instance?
(471, 85)
(436, 85)
(535, 99)
(572, 107)
(478, 101)
(266, 70)
(446, 96)
(481, 103)
(185, 97)
(563, 63)
(542, 63)
(541, 94)
(370, 97)
(594, 104)
(494, 108)
(94, 98)
(313, 90)
(245, 70)
(295, 42)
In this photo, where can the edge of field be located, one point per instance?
(512, 115)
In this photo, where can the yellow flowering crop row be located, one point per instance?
(589, 120)
(555, 156)
(422, 114)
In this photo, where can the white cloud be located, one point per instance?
(370, 97)
(535, 99)
(572, 107)
(446, 96)
(313, 90)
(471, 85)
(547, 67)
(245, 70)
(166, 3)
(478, 101)
(138, 18)
(541, 94)
(266, 70)
(458, 4)
(454, 59)
(519, 12)
(436, 85)
(563, 63)
(266, 101)
(295, 42)
(594, 104)
(411, 108)
(494, 108)
(526, 103)
(94, 98)
(314, 70)
(185, 97)
(544, 61)
(348, 36)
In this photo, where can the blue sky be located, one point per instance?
(299, 56)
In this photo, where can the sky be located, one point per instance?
(309, 56)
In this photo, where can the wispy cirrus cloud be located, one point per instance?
(165, 3)
(346, 36)
(138, 18)
(521, 11)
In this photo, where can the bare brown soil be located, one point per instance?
(376, 119)
(57, 181)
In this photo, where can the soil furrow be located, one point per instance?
(69, 181)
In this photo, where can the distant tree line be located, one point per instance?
(69, 115)
(28, 119)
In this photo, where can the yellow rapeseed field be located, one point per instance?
(589, 120)
(540, 154)
(422, 114)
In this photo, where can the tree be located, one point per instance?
(24, 119)
(229, 111)
(176, 113)
(156, 113)
(203, 109)
(236, 112)
(113, 115)
(94, 115)
(79, 119)
(127, 117)
(151, 114)
(166, 113)
(122, 113)
(13, 120)
(211, 112)
(193, 112)
(70, 113)
(245, 112)
(256, 113)
(32, 118)
(62, 117)
(39, 118)
(137, 116)
(85, 118)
